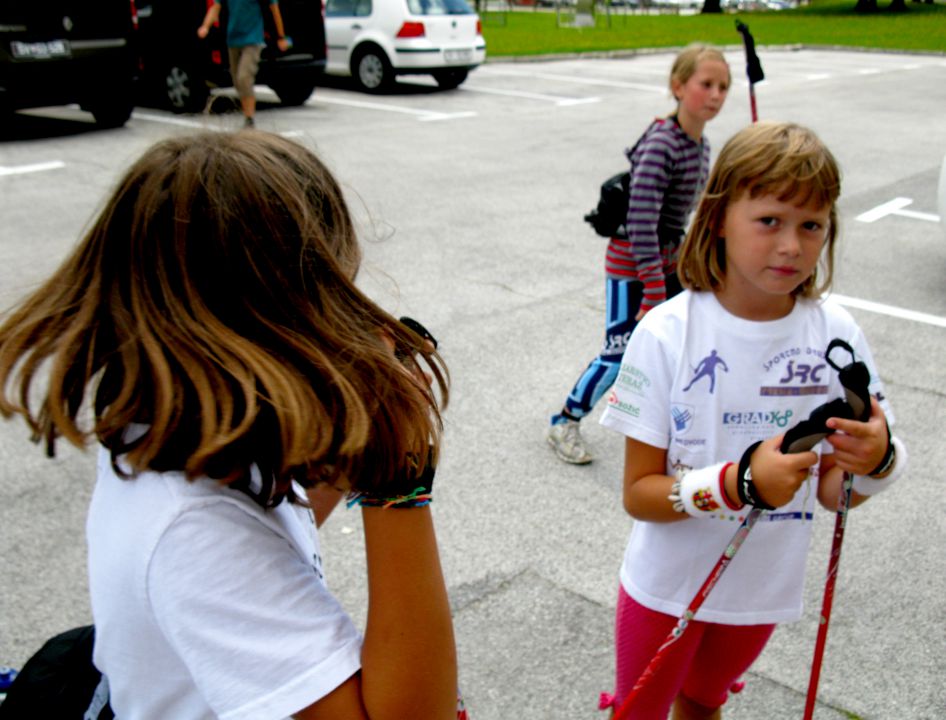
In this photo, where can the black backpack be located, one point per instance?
(60, 682)
(609, 216)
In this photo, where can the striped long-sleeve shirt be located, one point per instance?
(668, 173)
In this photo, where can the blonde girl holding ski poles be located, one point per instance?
(207, 334)
(737, 358)
(669, 165)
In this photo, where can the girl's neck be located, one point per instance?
(692, 126)
(772, 308)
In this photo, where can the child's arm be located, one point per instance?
(647, 487)
(859, 448)
(408, 659)
(646, 484)
(281, 40)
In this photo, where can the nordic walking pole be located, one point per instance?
(753, 65)
(658, 660)
(840, 520)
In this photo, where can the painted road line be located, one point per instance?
(557, 99)
(181, 122)
(890, 310)
(34, 167)
(575, 80)
(895, 207)
(423, 115)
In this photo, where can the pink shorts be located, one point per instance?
(702, 665)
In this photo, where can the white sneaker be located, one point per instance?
(566, 439)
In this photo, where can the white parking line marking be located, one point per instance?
(425, 115)
(575, 80)
(895, 207)
(169, 120)
(868, 71)
(819, 76)
(35, 167)
(557, 99)
(881, 309)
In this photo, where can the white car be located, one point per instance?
(375, 40)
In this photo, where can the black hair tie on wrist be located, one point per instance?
(745, 487)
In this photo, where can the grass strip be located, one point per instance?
(824, 22)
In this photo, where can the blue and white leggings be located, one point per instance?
(621, 307)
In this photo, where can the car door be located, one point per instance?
(344, 22)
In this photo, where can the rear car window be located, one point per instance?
(347, 8)
(439, 7)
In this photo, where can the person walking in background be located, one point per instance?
(669, 166)
(756, 261)
(208, 335)
(245, 43)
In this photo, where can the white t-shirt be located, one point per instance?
(704, 385)
(206, 605)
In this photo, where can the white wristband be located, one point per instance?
(867, 485)
(700, 492)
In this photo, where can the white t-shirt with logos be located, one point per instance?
(206, 605)
(704, 385)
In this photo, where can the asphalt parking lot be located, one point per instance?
(470, 206)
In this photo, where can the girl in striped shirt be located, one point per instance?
(669, 166)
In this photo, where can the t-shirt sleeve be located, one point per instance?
(249, 617)
(639, 399)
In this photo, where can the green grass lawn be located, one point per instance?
(823, 22)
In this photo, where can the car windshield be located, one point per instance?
(439, 7)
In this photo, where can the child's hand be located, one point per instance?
(777, 475)
(859, 447)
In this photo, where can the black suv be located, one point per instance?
(178, 69)
(57, 52)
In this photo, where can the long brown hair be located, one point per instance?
(783, 159)
(213, 303)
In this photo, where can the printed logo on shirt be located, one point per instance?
(804, 373)
(317, 565)
(633, 380)
(624, 407)
(756, 422)
(682, 418)
(706, 368)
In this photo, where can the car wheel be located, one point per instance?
(293, 93)
(449, 79)
(371, 69)
(185, 90)
(111, 113)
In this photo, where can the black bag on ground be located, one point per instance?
(609, 216)
(59, 682)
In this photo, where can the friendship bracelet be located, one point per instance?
(701, 493)
(745, 487)
(415, 492)
(866, 485)
(419, 497)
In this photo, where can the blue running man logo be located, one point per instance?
(707, 368)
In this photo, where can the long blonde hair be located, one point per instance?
(779, 158)
(213, 303)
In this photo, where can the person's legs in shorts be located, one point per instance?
(244, 64)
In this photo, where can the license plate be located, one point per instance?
(40, 50)
(464, 55)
